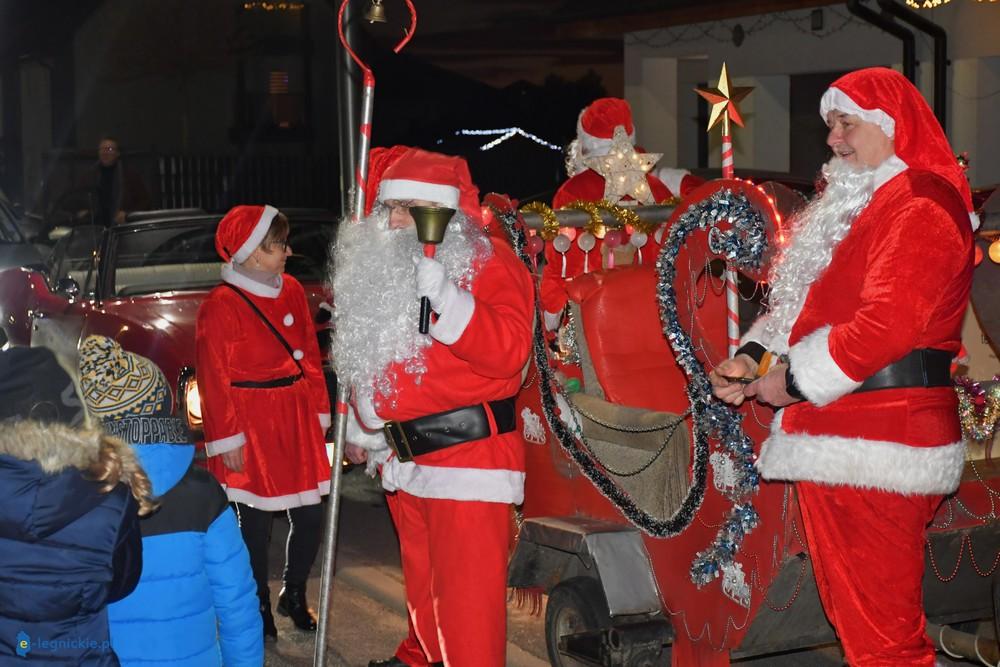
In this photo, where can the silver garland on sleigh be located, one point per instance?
(743, 245)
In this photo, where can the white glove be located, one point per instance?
(432, 282)
(372, 441)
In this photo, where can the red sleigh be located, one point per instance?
(649, 540)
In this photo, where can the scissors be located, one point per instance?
(739, 380)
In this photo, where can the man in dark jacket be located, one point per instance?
(69, 544)
(118, 189)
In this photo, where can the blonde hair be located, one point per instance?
(116, 462)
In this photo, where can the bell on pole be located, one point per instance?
(375, 13)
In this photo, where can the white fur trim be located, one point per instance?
(324, 420)
(288, 320)
(234, 277)
(755, 334)
(892, 166)
(672, 178)
(223, 445)
(400, 189)
(256, 236)
(456, 313)
(275, 503)
(836, 99)
(861, 463)
(974, 220)
(486, 485)
(590, 145)
(816, 373)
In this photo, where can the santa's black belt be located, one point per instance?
(921, 368)
(268, 384)
(431, 433)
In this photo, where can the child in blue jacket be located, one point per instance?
(196, 602)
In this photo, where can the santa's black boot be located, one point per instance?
(292, 603)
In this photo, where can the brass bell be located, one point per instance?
(431, 222)
(375, 13)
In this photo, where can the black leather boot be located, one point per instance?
(292, 603)
(270, 631)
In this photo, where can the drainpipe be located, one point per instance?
(893, 28)
(940, 37)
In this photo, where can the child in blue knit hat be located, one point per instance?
(196, 603)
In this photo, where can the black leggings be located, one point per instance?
(305, 533)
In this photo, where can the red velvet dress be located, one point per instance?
(281, 429)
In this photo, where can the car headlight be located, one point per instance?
(190, 399)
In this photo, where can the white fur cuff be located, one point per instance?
(755, 334)
(860, 463)
(817, 375)
(456, 312)
(223, 445)
(324, 420)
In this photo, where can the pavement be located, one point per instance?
(368, 608)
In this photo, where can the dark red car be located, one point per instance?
(141, 283)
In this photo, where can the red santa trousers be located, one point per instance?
(867, 551)
(454, 555)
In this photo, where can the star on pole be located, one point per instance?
(624, 170)
(724, 99)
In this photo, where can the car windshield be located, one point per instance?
(180, 255)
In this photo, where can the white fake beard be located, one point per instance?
(376, 308)
(816, 232)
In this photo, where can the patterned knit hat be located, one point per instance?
(128, 394)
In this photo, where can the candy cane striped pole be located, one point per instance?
(343, 388)
(732, 295)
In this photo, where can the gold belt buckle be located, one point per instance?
(396, 437)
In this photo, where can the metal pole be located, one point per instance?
(347, 113)
(343, 389)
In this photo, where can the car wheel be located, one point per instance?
(575, 605)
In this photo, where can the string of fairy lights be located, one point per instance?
(503, 134)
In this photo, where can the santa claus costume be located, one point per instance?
(262, 389)
(867, 303)
(595, 131)
(446, 398)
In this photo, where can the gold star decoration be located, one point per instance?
(724, 100)
(624, 170)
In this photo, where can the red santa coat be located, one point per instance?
(899, 281)
(479, 351)
(282, 428)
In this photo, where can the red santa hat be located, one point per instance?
(379, 159)
(442, 179)
(241, 230)
(886, 98)
(596, 125)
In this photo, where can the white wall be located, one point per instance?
(779, 45)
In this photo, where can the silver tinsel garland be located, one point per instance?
(743, 245)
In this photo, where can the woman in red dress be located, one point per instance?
(264, 401)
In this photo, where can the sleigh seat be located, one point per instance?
(631, 384)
